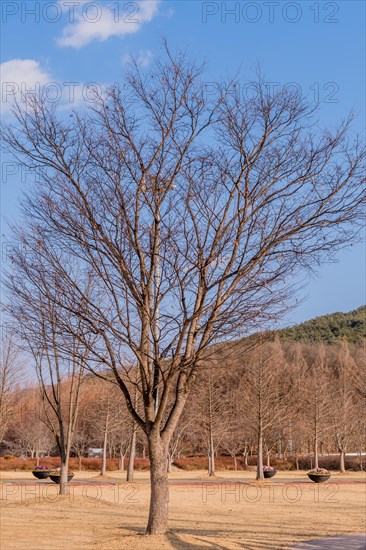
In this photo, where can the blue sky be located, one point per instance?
(318, 46)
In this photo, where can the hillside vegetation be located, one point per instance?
(330, 328)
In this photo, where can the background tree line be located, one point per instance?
(282, 401)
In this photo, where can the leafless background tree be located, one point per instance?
(11, 374)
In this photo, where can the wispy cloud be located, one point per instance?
(143, 58)
(100, 21)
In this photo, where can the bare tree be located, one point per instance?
(179, 441)
(210, 418)
(59, 364)
(34, 439)
(316, 398)
(11, 367)
(83, 432)
(236, 437)
(344, 403)
(132, 447)
(265, 389)
(104, 415)
(182, 219)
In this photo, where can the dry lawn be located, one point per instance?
(269, 515)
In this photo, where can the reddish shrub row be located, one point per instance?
(201, 463)
(331, 463)
(305, 463)
(92, 464)
(189, 463)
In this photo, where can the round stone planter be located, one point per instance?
(56, 479)
(269, 473)
(319, 478)
(41, 474)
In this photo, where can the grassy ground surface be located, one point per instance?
(230, 512)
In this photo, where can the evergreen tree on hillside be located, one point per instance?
(331, 328)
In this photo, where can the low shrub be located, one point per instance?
(201, 463)
(9, 462)
(88, 464)
(352, 463)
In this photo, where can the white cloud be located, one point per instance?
(20, 77)
(143, 58)
(99, 21)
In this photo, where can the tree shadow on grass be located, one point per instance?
(211, 538)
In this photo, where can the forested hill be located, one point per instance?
(330, 328)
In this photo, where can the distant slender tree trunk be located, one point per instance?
(121, 462)
(132, 453)
(79, 462)
(342, 465)
(316, 447)
(131, 459)
(260, 455)
(104, 457)
(211, 455)
(268, 457)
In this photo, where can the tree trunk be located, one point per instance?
(316, 451)
(121, 463)
(342, 466)
(131, 459)
(170, 461)
(246, 459)
(63, 476)
(260, 457)
(268, 458)
(211, 457)
(235, 463)
(79, 463)
(159, 498)
(104, 457)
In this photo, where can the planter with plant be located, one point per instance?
(319, 475)
(41, 472)
(55, 475)
(269, 471)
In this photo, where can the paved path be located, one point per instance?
(349, 542)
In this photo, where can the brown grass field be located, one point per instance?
(223, 515)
